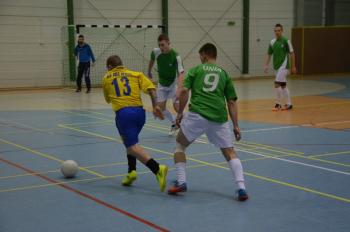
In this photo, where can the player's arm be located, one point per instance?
(184, 93)
(267, 59)
(76, 52)
(181, 75)
(105, 91)
(233, 112)
(231, 99)
(291, 56)
(151, 64)
(148, 87)
(183, 99)
(267, 62)
(92, 55)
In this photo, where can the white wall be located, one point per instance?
(117, 11)
(30, 42)
(32, 51)
(186, 34)
(263, 16)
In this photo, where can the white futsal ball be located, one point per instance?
(69, 168)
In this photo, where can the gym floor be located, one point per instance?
(296, 163)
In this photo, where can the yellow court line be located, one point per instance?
(90, 166)
(47, 156)
(280, 150)
(28, 187)
(331, 196)
(81, 114)
(330, 154)
(88, 123)
(264, 147)
(124, 163)
(271, 147)
(27, 174)
(240, 143)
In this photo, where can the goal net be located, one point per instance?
(133, 43)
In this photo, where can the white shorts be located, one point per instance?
(166, 92)
(194, 125)
(281, 75)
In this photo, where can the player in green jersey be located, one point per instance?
(170, 72)
(283, 58)
(212, 91)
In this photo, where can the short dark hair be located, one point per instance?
(114, 61)
(209, 49)
(162, 37)
(81, 36)
(279, 25)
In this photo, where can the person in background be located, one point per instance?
(84, 55)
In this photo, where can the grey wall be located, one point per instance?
(322, 12)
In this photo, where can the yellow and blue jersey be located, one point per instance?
(122, 87)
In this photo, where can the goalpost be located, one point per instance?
(133, 43)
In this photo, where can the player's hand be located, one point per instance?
(157, 112)
(237, 133)
(93, 63)
(294, 70)
(179, 119)
(150, 76)
(177, 94)
(266, 69)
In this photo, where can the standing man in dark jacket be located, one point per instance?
(84, 55)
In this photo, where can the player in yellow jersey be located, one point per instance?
(122, 88)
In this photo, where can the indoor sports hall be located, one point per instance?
(296, 160)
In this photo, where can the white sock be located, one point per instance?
(169, 116)
(180, 169)
(287, 95)
(237, 171)
(278, 95)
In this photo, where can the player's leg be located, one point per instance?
(87, 77)
(237, 171)
(180, 164)
(129, 123)
(159, 170)
(132, 174)
(172, 94)
(221, 135)
(285, 90)
(278, 93)
(79, 76)
(192, 127)
(162, 97)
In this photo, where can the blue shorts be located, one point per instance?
(130, 121)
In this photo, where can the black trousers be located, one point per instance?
(84, 69)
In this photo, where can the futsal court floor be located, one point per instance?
(296, 163)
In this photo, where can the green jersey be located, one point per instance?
(169, 66)
(210, 88)
(280, 49)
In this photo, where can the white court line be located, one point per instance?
(285, 160)
(326, 123)
(270, 128)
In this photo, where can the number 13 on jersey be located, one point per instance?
(125, 87)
